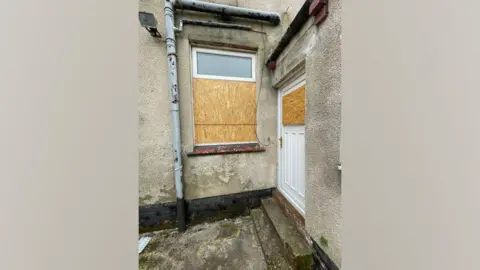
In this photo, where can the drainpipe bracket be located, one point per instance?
(321, 16)
(316, 6)
(272, 65)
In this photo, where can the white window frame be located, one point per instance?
(222, 52)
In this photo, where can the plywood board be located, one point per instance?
(224, 133)
(293, 107)
(224, 102)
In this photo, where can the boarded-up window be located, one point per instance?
(224, 96)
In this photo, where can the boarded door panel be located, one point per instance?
(224, 102)
(224, 133)
(293, 107)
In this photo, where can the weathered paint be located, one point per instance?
(210, 175)
(226, 149)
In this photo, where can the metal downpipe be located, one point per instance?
(175, 109)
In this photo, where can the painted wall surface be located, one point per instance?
(204, 176)
(316, 51)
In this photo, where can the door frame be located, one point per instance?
(292, 85)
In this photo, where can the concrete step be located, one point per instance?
(271, 245)
(295, 248)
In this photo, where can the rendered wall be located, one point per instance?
(204, 176)
(316, 51)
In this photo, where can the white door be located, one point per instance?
(291, 130)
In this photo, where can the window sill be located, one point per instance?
(226, 149)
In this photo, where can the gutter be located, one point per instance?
(227, 10)
(211, 24)
(317, 8)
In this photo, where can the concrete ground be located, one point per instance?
(226, 244)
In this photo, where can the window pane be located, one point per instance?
(224, 65)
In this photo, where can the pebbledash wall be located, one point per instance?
(315, 51)
(204, 176)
